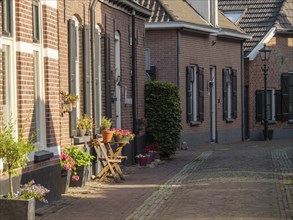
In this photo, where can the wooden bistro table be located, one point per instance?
(109, 159)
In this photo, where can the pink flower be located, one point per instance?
(75, 178)
(67, 167)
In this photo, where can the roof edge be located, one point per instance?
(177, 25)
(233, 34)
(266, 38)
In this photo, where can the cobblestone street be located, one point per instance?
(250, 180)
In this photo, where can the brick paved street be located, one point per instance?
(250, 180)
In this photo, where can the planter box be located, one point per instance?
(12, 209)
(82, 172)
(65, 180)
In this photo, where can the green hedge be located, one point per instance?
(163, 115)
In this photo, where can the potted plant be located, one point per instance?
(122, 135)
(15, 151)
(83, 159)
(72, 98)
(142, 159)
(107, 134)
(84, 124)
(68, 169)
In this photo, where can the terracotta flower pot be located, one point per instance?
(107, 136)
(74, 103)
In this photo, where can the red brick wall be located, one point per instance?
(280, 61)
(197, 49)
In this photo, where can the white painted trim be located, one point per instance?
(1, 43)
(176, 25)
(51, 53)
(24, 47)
(260, 45)
(234, 35)
(50, 3)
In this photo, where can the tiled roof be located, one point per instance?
(259, 17)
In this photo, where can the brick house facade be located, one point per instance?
(88, 48)
(204, 58)
(273, 28)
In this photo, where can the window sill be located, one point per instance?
(270, 122)
(195, 123)
(229, 120)
(81, 140)
(290, 121)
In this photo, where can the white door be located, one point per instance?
(117, 80)
(212, 89)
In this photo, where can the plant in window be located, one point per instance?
(85, 123)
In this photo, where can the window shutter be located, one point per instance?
(278, 105)
(225, 94)
(200, 94)
(96, 81)
(234, 93)
(259, 104)
(189, 77)
(72, 74)
(285, 82)
(108, 76)
(86, 70)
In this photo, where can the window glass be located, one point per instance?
(234, 16)
(6, 17)
(36, 22)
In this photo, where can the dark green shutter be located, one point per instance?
(86, 70)
(285, 83)
(278, 105)
(234, 94)
(72, 74)
(96, 81)
(189, 77)
(225, 94)
(259, 95)
(108, 76)
(200, 94)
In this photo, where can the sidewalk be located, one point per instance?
(186, 186)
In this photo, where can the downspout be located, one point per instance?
(96, 165)
(178, 57)
(242, 94)
(133, 82)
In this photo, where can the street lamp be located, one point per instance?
(265, 54)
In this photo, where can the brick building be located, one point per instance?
(93, 49)
(193, 45)
(273, 27)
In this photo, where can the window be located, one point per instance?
(36, 21)
(195, 94)
(234, 16)
(271, 105)
(5, 77)
(229, 94)
(7, 17)
(287, 96)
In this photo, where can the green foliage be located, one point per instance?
(85, 122)
(14, 151)
(163, 115)
(106, 123)
(81, 157)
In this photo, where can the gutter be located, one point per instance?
(234, 35)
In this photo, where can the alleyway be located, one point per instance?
(251, 180)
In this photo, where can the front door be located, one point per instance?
(117, 80)
(212, 90)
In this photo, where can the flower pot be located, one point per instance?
(11, 209)
(121, 139)
(107, 136)
(82, 172)
(153, 155)
(143, 161)
(81, 132)
(74, 103)
(65, 180)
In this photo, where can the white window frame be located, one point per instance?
(39, 86)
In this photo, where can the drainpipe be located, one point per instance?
(178, 57)
(133, 82)
(242, 94)
(96, 166)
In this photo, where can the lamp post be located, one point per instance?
(265, 54)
